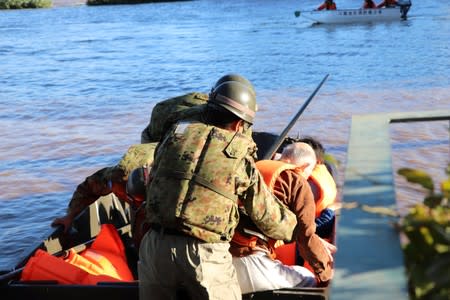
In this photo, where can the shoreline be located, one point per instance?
(65, 3)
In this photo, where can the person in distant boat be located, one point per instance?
(203, 167)
(113, 180)
(387, 3)
(327, 5)
(369, 4)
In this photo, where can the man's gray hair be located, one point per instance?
(300, 154)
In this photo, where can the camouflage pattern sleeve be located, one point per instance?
(94, 186)
(111, 179)
(271, 216)
(168, 112)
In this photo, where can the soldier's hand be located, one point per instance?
(65, 221)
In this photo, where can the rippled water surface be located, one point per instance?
(77, 85)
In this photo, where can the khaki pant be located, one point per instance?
(171, 265)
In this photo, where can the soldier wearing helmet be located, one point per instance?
(113, 180)
(204, 168)
(168, 112)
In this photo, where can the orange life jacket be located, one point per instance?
(331, 6)
(328, 6)
(43, 266)
(271, 169)
(326, 185)
(105, 260)
(287, 254)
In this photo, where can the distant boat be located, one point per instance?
(359, 15)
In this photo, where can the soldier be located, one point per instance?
(112, 180)
(188, 106)
(202, 169)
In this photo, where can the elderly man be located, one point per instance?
(253, 251)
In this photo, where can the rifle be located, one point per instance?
(273, 149)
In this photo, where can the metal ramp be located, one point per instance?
(369, 262)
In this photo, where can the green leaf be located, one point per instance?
(438, 270)
(417, 176)
(331, 159)
(433, 200)
(445, 188)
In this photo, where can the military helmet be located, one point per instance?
(236, 97)
(136, 183)
(234, 77)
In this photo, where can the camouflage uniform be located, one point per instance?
(199, 175)
(111, 180)
(168, 112)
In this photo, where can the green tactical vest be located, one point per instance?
(193, 185)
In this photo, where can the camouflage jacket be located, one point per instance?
(110, 179)
(168, 112)
(199, 174)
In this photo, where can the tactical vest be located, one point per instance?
(193, 181)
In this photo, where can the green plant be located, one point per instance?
(427, 227)
(112, 2)
(18, 4)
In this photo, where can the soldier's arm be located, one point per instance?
(268, 213)
(94, 186)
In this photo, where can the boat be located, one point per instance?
(85, 229)
(359, 15)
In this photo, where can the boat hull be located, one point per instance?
(110, 210)
(345, 16)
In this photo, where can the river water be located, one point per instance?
(78, 83)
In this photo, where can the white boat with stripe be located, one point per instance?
(359, 15)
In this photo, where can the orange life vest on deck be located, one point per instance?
(326, 185)
(105, 260)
